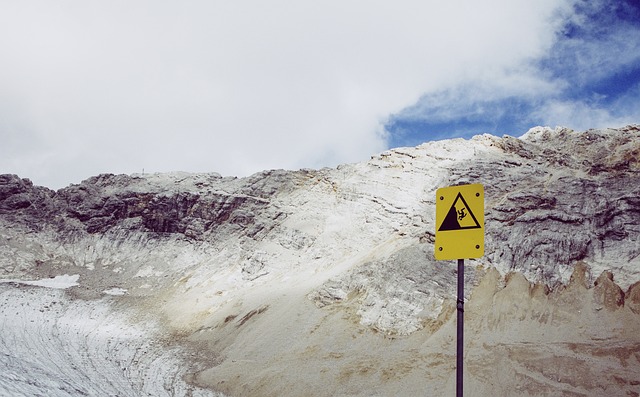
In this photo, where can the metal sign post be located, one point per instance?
(460, 333)
(459, 234)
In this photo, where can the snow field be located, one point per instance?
(54, 346)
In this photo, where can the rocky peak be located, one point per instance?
(554, 197)
(330, 273)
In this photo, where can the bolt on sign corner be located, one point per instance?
(459, 222)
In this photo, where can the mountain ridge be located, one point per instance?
(214, 258)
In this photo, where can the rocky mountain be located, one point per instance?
(323, 282)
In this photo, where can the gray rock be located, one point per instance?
(553, 198)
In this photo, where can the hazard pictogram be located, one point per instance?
(459, 216)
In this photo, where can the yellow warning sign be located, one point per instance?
(460, 222)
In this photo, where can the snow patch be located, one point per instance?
(55, 346)
(147, 272)
(58, 282)
(116, 291)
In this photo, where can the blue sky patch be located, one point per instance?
(594, 67)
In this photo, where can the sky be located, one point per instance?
(236, 87)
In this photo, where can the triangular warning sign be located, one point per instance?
(459, 216)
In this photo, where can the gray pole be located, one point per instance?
(460, 338)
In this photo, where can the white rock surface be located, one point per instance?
(331, 266)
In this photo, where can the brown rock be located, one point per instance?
(607, 293)
(580, 276)
(633, 297)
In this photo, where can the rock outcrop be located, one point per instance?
(207, 255)
(553, 198)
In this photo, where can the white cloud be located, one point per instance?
(237, 87)
(467, 98)
(575, 114)
(582, 115)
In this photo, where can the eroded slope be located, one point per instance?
(324, 280)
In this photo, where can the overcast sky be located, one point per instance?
(236, 87)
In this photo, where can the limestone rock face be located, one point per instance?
(355, 243)
(575, 198)
(23, 203)
(107, 202)
(553, 198)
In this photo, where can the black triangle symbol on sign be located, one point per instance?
(458, 212)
